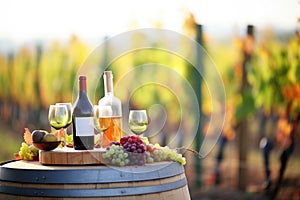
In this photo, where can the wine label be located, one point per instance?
(84, 126)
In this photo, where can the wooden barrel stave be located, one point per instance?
(161, 181)
(177, 194)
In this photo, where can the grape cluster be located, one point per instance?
(135, 148)
(116, 155)
(115, 143)
(145, 140)
(149, 157)
(133, 144)
(28, 152)
(158, 154)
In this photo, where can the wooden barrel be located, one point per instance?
(31, 180)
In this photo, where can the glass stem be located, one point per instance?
(65, 136)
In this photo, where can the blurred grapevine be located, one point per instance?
(33, 77)
(275, 75)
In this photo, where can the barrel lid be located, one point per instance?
(33, 172)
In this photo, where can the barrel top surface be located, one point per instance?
(32, 179)
(33, 172)
(35, 165)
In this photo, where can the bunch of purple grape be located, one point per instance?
(135, 148)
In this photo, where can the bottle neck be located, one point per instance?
(108, 84)
(82, 85)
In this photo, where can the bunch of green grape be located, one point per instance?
(145, 140)
(116, 155)
(149, 157)
(166, 154)
(28, 152)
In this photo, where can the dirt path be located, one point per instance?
(227, 189)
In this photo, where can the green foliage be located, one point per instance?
(246, 107)
(28, 81)
(275, 66)
(10, 145)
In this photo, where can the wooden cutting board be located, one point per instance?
(69, 156)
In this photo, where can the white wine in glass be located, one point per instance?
(138, 121)
(69, 110)
(58, 116)
(67, 142)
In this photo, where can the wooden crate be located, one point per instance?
(69, 156)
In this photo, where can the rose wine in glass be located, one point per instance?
(110, 112)
(104, 121)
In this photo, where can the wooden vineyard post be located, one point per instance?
(37, 84)
(198, 90)
(243, 126)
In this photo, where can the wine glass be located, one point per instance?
(138, 121)
(104, 116)
(96, 121)
(67, 139)
(103, 121)
(58, 117)
(97, 127)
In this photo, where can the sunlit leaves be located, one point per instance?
(246, 107)
(275, 75)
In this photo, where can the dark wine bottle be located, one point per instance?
(83, 119)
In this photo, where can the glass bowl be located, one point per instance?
(46, 146)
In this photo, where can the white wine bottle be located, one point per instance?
(110, 112)
(83, 119)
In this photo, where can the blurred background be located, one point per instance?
(254, 44)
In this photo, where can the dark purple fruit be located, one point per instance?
(50, 137)
(38, 135)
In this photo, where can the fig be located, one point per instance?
(38, 135)
(50, 137)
